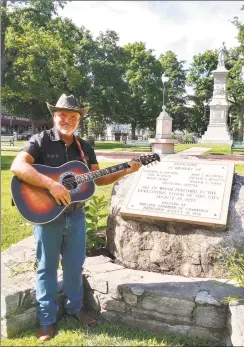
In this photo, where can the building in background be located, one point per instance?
(11, 124)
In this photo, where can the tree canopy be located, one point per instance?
(44, 56)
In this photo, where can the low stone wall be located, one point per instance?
(164, 303)
(18, 293)
(146, 300)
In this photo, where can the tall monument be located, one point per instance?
(218, 131)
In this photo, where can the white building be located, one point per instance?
(117, 132)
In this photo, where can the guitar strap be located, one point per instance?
(81, 151)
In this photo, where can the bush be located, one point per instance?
(94, 213)
(189, 138)
(234, 262)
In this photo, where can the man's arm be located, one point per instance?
(23, 169)
(111, 178)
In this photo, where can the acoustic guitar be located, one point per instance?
(38, 206)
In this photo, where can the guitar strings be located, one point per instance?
(73, 180)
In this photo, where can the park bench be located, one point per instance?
(237, 146)
(9, 138)
(136, 143)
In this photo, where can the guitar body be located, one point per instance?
(37, 205)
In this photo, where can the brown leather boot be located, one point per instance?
(83, 317)
(46, 332)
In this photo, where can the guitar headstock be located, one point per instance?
(148, 159)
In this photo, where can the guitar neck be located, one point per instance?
(90, 176)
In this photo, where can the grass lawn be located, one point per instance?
(117, 146)
(70, 333)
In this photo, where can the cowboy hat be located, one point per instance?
(68, 103)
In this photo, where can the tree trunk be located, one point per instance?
(133, 130)
(33, 127)
(241, 127)
(81, 128)
(241, 123)
(3, 33)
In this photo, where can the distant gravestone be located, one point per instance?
(192, 191)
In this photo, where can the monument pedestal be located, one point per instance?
(217, 131)
(163, 143)
(217, 134)
(163, 146)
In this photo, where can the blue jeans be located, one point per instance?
(66, 235)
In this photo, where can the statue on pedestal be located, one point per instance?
(221, 56)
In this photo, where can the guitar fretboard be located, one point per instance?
(90, 176)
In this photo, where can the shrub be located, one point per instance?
(235, 264)
(94, 213)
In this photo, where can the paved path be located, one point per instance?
(126, 156)
(194, 151)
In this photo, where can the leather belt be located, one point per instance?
(75, 206)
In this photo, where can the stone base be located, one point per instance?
(217, 134)
(160, 303)
(163, 146)
(156, 302)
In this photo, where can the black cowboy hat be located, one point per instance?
(68, 103)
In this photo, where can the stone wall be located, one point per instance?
(172, 247)
(164, 303)
(146, 300)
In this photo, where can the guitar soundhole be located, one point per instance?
(68, 179)
(69, 182)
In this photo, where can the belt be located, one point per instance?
(74, 206)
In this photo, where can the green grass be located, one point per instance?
(239, 169)
(117, 146)
(70, 333)
(215, 148)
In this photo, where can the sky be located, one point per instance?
(185, 27)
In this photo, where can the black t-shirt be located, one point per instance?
(47, 148)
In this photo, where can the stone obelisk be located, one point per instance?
(218, 131)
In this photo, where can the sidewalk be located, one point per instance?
(193, 151)
(127, 156)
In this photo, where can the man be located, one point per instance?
(66, 234)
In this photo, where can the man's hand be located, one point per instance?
(134, 166)
(60, 193)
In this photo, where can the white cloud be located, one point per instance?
(186, 27)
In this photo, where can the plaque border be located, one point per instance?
(222, 221)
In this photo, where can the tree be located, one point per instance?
(142, 99)
(107, 85)
(236, 82)
(175, 89)
(96, 128)
(46, 7)
(201, 79)
(44, 59)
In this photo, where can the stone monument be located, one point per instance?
(177, 217)
(217, 131)
(163, 143)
